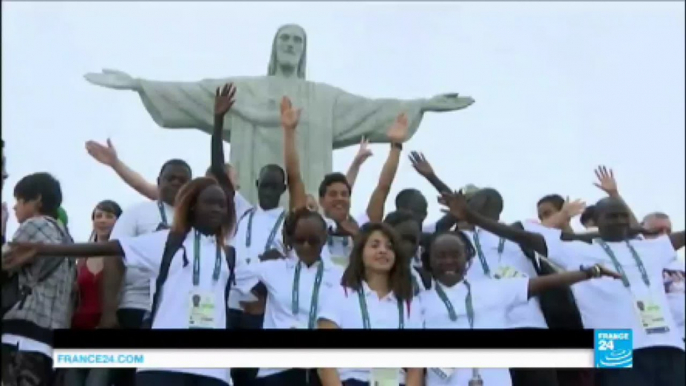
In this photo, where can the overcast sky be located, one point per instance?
(559, 87)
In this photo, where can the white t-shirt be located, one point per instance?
(342, 307)
(338, 248)
(279, 278)
(492, 300)
(674, 280)
(140, 219)
(605, 303)
(145, 254)
(525, 315)
(266, 225)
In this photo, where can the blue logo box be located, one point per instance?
(614, 349)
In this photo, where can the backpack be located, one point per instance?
(174, 243)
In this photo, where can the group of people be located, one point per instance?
(311, 265)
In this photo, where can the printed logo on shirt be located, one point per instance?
(614, 349)
(673, 281)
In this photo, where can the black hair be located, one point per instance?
(470, 251)
(176, 162)
(274, 167)
(333, 178)
(403, 198)
(555, 199)
(588, 214)
(108, 206)
(398, 217)
(41, 186)
(290, 223)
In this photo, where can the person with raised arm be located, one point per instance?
(375, 293)
(296, 284)
(637, 301)
(363, 154)
(203, 220)
(453, 302)
(335, 190)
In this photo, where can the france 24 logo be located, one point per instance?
(614, 349)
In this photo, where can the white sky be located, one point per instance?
(559, 88)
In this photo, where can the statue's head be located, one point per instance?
(289, 48)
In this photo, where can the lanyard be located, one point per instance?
(480, 252)
(196, 261)
(469, 306)
(163, 213)
(365, 312)
(272, 234)
(295, 296)
(618, 267)
(345, 242)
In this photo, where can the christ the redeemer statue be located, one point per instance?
(331, 118)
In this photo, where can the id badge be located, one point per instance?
(444, 374)
(201, 310)
(652, 317)
(385, 377)
(507, 272)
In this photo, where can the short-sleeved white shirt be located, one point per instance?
(279, 278)
(264, 222)
(342, 307)
(338, 248)
(492, 300)
(140, 219)
(525, 315)
(145, 254)
(605, 303)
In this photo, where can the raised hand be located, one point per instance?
(420, 164)
(289, 116)
(224, 98)
(447, 102)
(456, 203)
(606, 180)
(106, 155)
(364, 151)
(18, 255)
(573, 208)
(114, 79)
(397, 133)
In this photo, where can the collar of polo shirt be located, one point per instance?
(368, 292)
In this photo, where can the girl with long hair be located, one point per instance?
(375, 293)
(204, 219)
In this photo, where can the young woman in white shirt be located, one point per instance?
(203, 217)
(375, 293)
(455, 303)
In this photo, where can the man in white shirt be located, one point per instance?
(258, 233)
(638, 301)
(658, 224)
(125, 303)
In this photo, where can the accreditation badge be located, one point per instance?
(507, 272)
(201, 310)
(651, 315)
(385, 377)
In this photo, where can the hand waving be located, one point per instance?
(573, 208)
(606, 180)
(224, 99)
(397, 133)
(420, 164)
(364, 151)
(289, 116)
(18, 255)
(456, 203)
(106, 155)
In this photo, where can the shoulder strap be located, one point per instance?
(230, 255)
(173, 244)
(66, 239)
